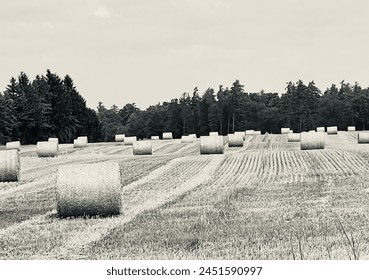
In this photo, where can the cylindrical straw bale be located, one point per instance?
(351, 128)
(142, 148)
(257, 132)
(187, 139)
(211, 145)
(312, 140)
(89, 189)
(78, 143)
(47, 149)
(83, 139)
(213, 133)
(119, 137)
(9, 166)
(332, 130)
(154, 137)
(54, 139)
(285, 130)
(249, 132)
(235, 140)
(193, 136)
(14, 145)
(130, 140)
(167, 135)
(242, 133)
(320, 129)
(363, 137)
(293, 137)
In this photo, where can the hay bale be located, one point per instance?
(14, 145)
(293, 137)
(9, 166)
(211, 145)
(47, 149)
(257, 132)
(312, 130)
(320, 129)
(363, 137)
(53, 139)
(142, 148)
(235, 140)
(83, 139)
(89, 189)
(249, 132)
(119, 137)
(154, 138)
(242, 133)
(214, 133)
(285, 130)
(167, 135)
(332, 130)
(130, 140)
(187, 139)
(351, 128)
(193, 136)
(312, 140)
(78, 143)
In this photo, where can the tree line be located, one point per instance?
(50, 106)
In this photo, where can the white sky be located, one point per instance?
(146, 51)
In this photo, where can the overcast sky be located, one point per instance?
(146, 51)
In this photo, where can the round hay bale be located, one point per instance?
(235, 140)
(293, 137)
(14, 145)
(142, 148)
(78, 143)
(193, 135)
(130, 140)
(47, 149)
(187, 139)
(332, 130)
(53, 139)
(320, 129)
(89, 189)
(214, 133)
(155, 138)
(285, 130)
(257, 132)
(167, 135)
(351, 128)
(312, 140)
(211, 145)
(83, 139)
(242, 133)
(9, 166)
(363, 137)
(119, 137)
(249, 132)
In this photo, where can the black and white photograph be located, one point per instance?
(184, 130)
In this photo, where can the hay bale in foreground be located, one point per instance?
(285, 130)
(9, 166)
(78, 143)
(293, 137)
(351, 128)
(363, 138)
(47, 149)
(242, 133)
(130, 140)
(187, 139)
(257, 132)
(119, 137)
(211, 145)
(312, 140)
(142, 148)
(249, 132)
(167, 135)
(332, 130)
(89, 189)
(235, 140)
(154, 138)
(83, 139)
(14, 145)
(320, 129)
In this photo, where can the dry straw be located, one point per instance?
(187, 139)
(235, 140)
(242, 133)
(312, 140)
(9, 166)
(332, 130)
(249, 132)
(130, 140)
(351, 128)
(213, 133)
(193, 135)
(89, 189)
(257, 132)
(47, 149)
(363, 137)
(119, 137)
(312, 130)
(293, 137)
(211, 145)
(167, 135)
(142, 148)
(285, 130)
(78, 143)
(83, 139)
(154, 137)
(15, 145)
(53, 139)
(320, 129)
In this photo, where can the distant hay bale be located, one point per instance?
(312, 140)
(285, 130)
(130, 140)
(193, 136)
(9, 166)
(332, 130)
(320, 129)
(167, 135)
(119, 137)
(78, 143)
(249, 132)
(363, 138)
(187, 139)
(154, 138)
(242, 133)
(293, 137)
(14, 145)
(211, 145)
(89, 189)
(312, 130)
(83, 139)
(257, 132)
(47, 149)
(214, 133)
(235, 140)
(53, 139)
(142, 148)
(351, 128)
